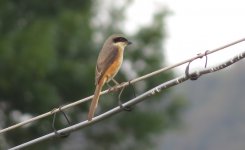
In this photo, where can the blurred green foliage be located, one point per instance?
(47, 59)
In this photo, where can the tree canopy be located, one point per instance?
(48, 51)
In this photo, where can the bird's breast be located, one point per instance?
(115, 65)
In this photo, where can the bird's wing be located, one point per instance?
(105, 63)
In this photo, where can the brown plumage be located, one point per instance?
(108, 64)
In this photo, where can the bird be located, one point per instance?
(108, 64)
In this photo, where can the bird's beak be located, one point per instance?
(129, 42)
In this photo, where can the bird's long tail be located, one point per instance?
(95, 100)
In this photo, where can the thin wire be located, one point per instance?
(122, 85)
(134, 101)
(187, 60)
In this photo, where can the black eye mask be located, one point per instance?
(119, 39)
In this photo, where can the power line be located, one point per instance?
(139, 98)
(55, 110)
(135, 100)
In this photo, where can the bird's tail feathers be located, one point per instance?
(94, 102)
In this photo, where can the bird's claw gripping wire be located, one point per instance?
(195, 76)
(113, 88)
(63, 135)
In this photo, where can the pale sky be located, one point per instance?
(195, 26)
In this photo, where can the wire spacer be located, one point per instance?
(61, 135)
